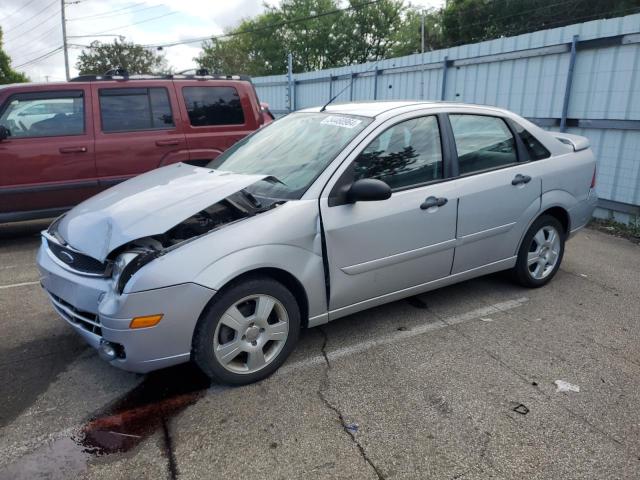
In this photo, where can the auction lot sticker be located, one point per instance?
(344, 122)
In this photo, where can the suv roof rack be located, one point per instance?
(122, 74)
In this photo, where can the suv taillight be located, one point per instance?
(593, 179)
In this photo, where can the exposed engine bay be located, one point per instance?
(235, 207)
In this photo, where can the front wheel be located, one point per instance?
(247, 332)
(541, 253)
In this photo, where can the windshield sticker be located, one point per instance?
(344, 122)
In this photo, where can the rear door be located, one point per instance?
(217, 115)
(499, 190)
(47, 164)
(381, 247)
(138, 129)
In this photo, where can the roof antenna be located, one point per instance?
(353, 78)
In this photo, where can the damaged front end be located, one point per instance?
(131, 257)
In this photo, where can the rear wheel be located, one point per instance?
(541, 252)
(248, 332)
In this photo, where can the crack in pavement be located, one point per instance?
(172, 464)
(324, 385)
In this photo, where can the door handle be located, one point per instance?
(164, 143)
(520, 179)
(431, 202)
(73, 149)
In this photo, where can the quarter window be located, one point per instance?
(535, 149)
(482, 142)
(46, 114)
(132, 109)
(213, 106)
(407, 154)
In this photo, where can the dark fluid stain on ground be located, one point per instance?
(126, 422)
(417, 302)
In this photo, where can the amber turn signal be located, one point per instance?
(146, 321)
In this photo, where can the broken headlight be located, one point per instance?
(127, 264)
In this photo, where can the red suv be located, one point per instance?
(61, 143)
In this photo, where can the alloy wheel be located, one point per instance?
(544, 252)
(251, 334)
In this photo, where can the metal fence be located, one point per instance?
(582, 78)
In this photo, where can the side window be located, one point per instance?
(409, 153)
(482, 142)
(535, 149)
(46, 114)
(132, 109)
(213, 106)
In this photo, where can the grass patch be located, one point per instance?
(630, 231)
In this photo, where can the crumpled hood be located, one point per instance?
(149, 204)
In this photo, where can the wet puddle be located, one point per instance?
(119, 427)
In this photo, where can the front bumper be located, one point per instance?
(91, 308)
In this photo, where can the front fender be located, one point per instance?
(304, 265)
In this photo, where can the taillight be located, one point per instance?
(593, 179)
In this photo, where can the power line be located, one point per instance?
(112, 11)
(19, 9)
(112, 14)
(266, 27)
(41, 57)
(130, 24)
(49, 5)
(36, 39)
(21, 35)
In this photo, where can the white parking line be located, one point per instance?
(23, 284)
(403, 334)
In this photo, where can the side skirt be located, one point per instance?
(425, 287)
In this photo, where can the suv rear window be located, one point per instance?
(44, 114)
(213, 106)
(132, 109)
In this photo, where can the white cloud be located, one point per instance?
(35, 29)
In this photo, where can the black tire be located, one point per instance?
(521, 272)
(202, 352)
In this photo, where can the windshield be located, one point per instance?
(293, 151)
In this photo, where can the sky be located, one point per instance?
(32, 28)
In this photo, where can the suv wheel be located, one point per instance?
(248, 332)
(540, 253)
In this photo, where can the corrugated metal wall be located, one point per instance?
(526, 74)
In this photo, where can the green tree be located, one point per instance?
(356, 34)
(470, 21)
(408, 38)
(101, 57)
(7, 74)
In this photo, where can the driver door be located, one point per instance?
(376, 249)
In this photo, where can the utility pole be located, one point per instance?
(422, 57)
(290, 84)
(64, 40)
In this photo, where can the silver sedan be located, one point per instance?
(325, 212)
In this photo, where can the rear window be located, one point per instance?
(213, 106)
(482, 142)
(132, 109)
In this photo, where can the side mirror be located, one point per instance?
(4, 133)
(368, 190)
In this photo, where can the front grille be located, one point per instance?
(85, 320)
(77, 261)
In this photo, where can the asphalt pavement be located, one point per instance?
(464, 382)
